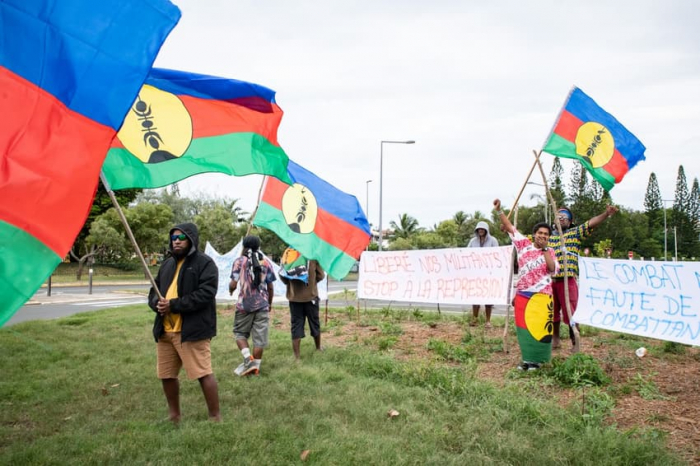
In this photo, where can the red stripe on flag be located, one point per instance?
(617, 166)
(520, 305)
(567, 126)
(329, 228)
(51, 163)
(217, 117)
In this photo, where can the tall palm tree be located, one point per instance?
(407, 226)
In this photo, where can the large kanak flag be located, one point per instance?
(587, 133)
(69, 72)
(315, 218)
(182, 124)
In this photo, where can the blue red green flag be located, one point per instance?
(69, 71)
(316, 219)
(182, 124)
(587, 133)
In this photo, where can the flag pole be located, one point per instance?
(564, 254)
(527, 179)
(252, 217)
(129, 233)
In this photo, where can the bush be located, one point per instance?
(579, 370)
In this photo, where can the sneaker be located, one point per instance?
(523, 366)
(247, 367)
(533, 366)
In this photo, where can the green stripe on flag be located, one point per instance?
(25, 263)
(531, 349)
(335, 261)
(560, 147)
(236, 154)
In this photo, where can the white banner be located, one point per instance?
(650, 299)
(446, 276)
(225, 262)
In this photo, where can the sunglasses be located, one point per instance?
(181, 237)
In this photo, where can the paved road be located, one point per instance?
(65, 301)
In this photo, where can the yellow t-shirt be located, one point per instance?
(173, 322)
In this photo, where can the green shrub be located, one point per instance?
(448, 351)
(673, 347)
(579, 370)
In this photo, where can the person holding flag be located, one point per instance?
(301, 277)
(533, 299)
(185, 322)
(573, 235)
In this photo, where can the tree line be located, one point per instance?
(222, 222)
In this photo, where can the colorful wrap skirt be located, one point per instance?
(533, 325)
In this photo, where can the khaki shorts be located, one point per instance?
(172, 355)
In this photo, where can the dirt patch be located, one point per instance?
(659, 391)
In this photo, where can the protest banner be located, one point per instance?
(445, 276)
(224, 262)
(650, 299)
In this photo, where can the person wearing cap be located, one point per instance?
(185, 322)
(482, 239)
(573, 235)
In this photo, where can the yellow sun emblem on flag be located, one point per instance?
(538, 323)
(595, 144)
(157, 128)
(300, 208)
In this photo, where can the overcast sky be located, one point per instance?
(477, 85)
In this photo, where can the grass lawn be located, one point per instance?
(82, 390)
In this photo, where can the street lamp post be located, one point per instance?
(665, 229)
(367, 199)
(381, 179)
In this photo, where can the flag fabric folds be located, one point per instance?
(182, 124)
(69, 71)
(316, 219)
(294, 266)
(585, 132)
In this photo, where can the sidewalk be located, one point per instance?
(58, 297)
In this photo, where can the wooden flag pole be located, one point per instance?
(564, 254)
(527, 179)
(129, 233)
(252, 217)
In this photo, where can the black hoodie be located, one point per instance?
(197, 285)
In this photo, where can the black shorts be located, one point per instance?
(302, 311)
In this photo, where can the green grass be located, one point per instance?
(82, 390)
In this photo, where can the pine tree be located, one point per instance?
(684, 232)
(652, 199)
(653, 204)
(556, 185)
(578, 183)
(694, 206)
(596, 190)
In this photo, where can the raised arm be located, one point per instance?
(610, 210)
(504, 220)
